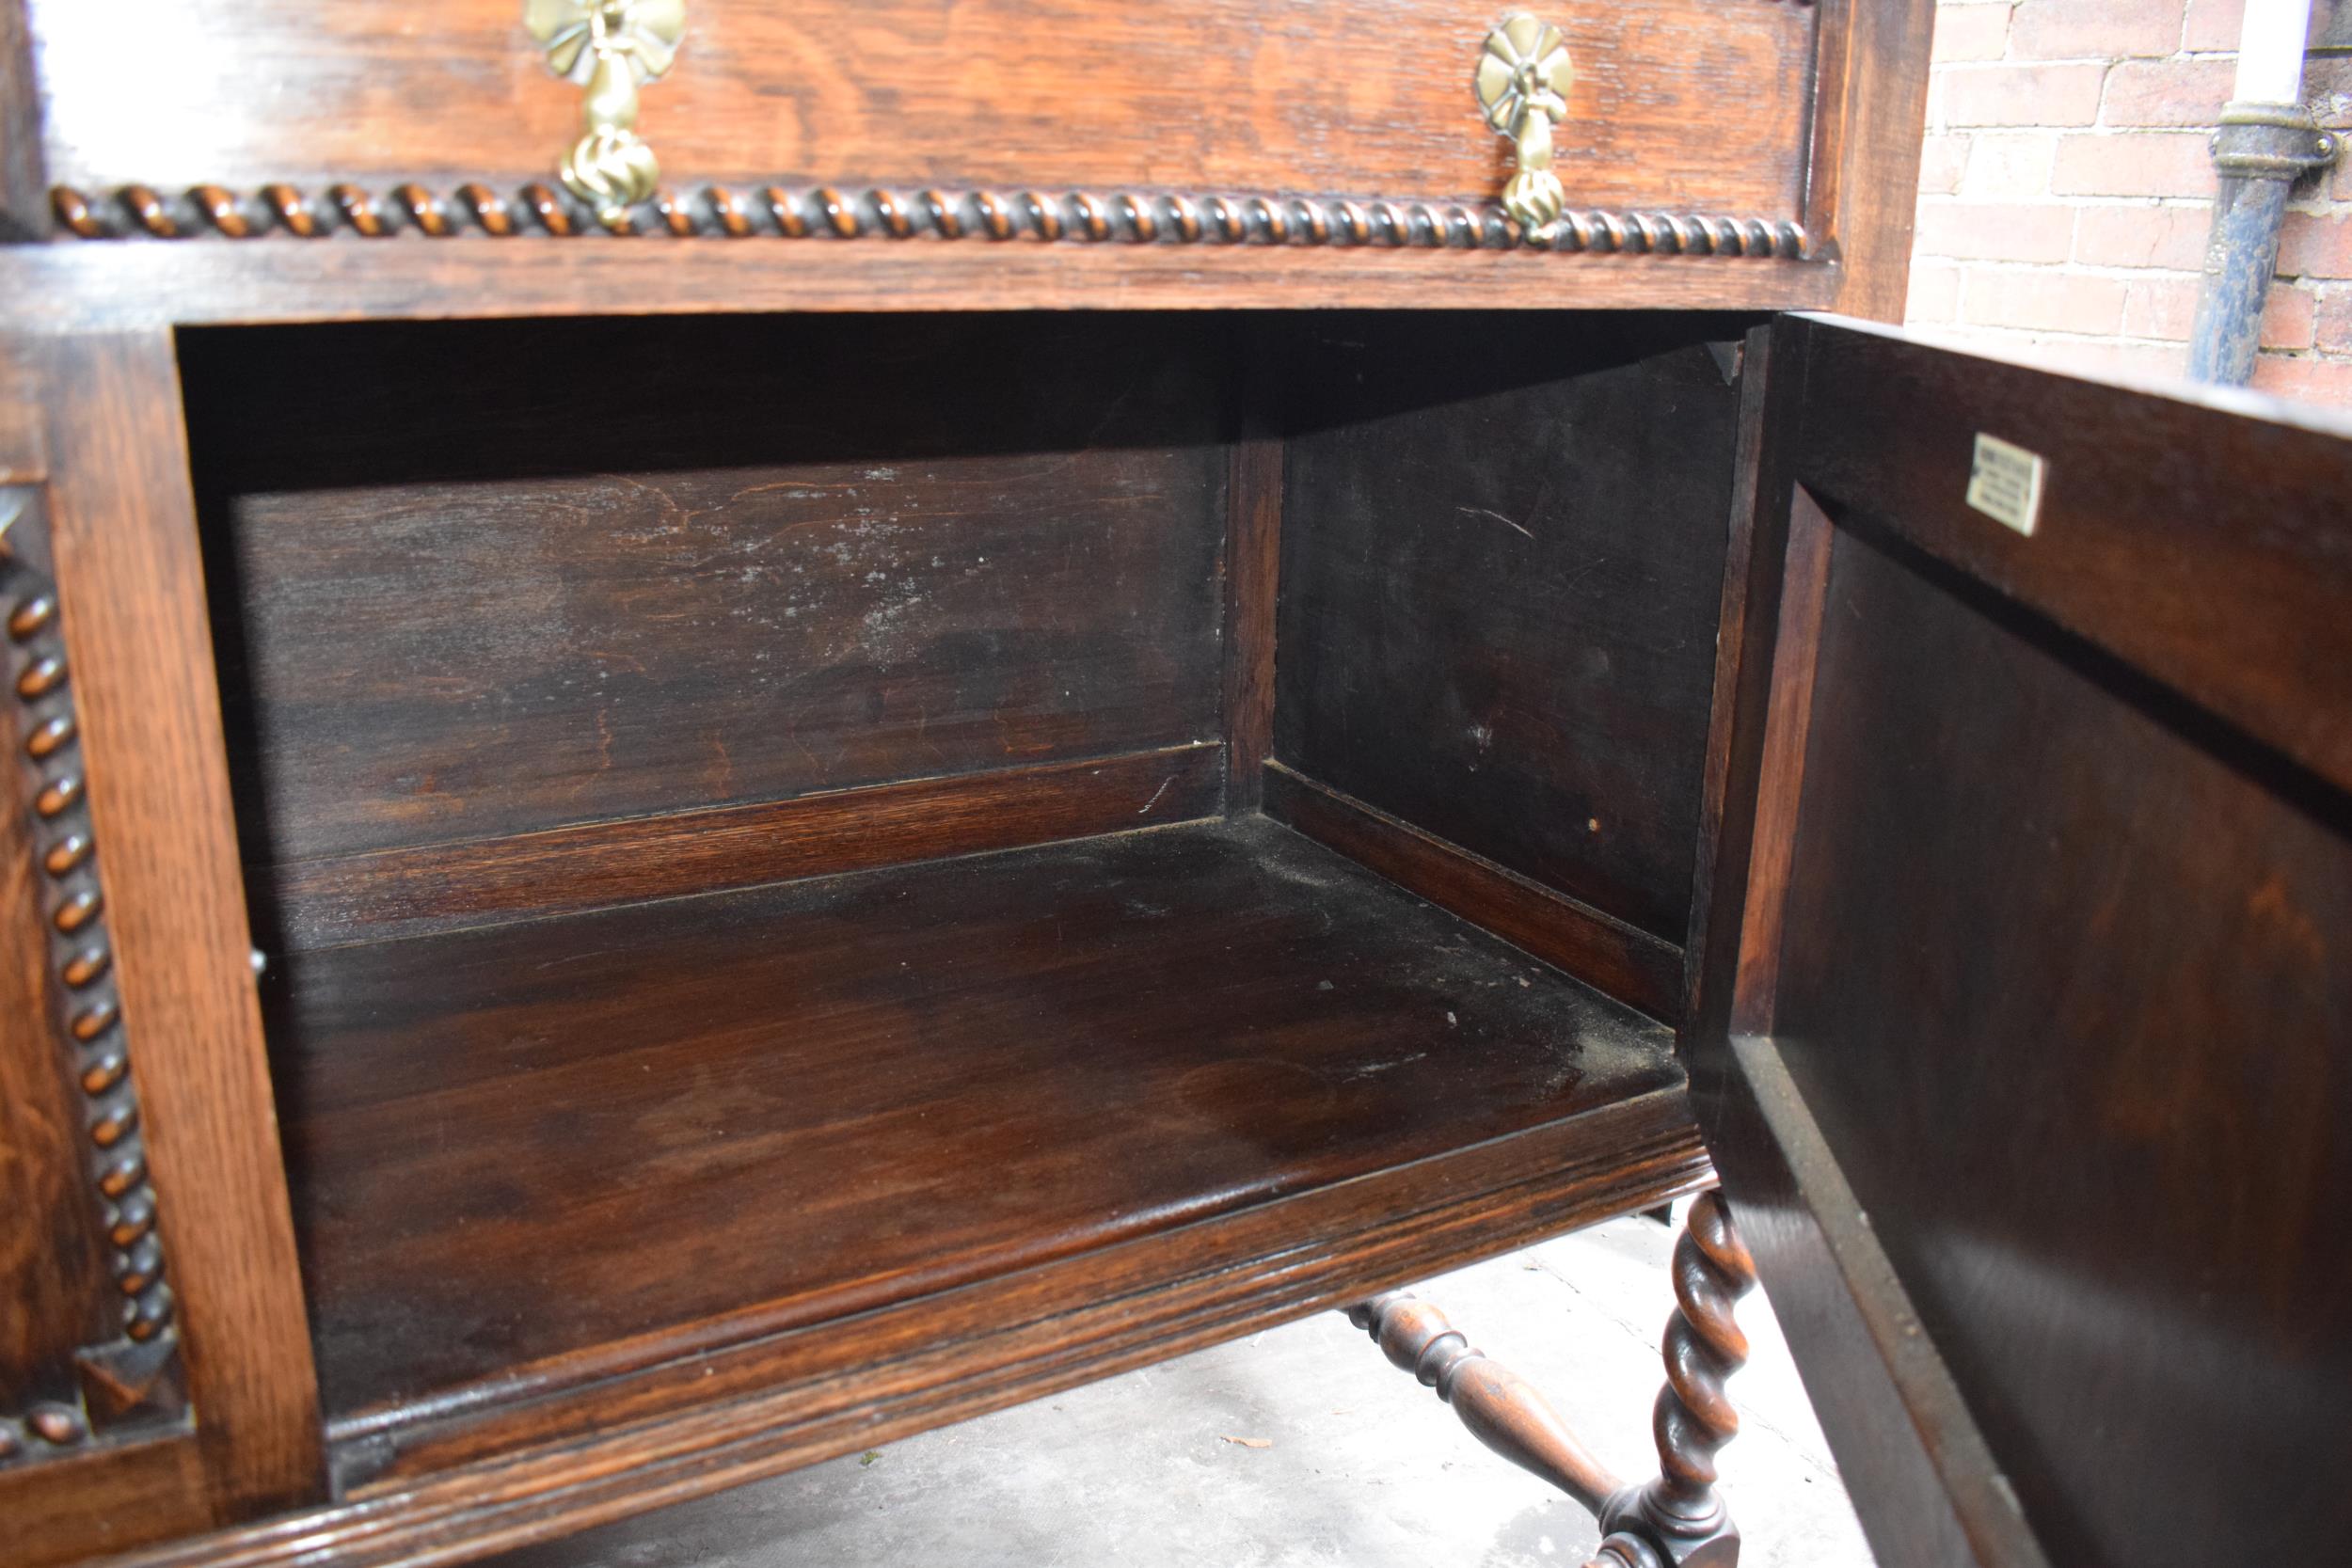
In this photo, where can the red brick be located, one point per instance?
(1994, 232)
(2289, 317)
(2041, 299)
(2095, 29)
(2316, 246)
(2310, 380)
(2022, 94)
(2160, 308)
(2134, 163)
(2167, 307)
(1971, 32)
(2135, 361)
(2213, 24)
(1935, 292)
(2173, 237)
(2010, 166)
(2332, 326)
(1941, 161)
(2167, 92)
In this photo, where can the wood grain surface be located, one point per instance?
(690, 1122)
(2121, 972)
(127, 565)
(459, 598)
(1642, 971)
(2163, 522)
(1677, 103)
(1502, 560)
(55, 288)
(442, 887)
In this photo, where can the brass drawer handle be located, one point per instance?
(1523, 77)
(609, 46)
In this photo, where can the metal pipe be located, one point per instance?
(2265, 142)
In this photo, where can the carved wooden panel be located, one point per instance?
(87, 1348)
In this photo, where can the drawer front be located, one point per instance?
(1676, 105)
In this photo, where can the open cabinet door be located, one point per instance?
(2024, 1029)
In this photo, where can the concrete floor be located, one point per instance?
(1364, 1467)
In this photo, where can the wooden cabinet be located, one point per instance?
(659, 833)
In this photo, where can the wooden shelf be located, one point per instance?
(527, 1157)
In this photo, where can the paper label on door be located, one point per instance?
(2005, 483)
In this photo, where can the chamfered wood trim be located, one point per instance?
(1636, 968)
(1135, 217)
(1748, 613)
(2162, 516)
(1925, 1482)
(1789, 722)
(439, 887)
(140, 652)
(707, 1421)
(70, 287)
(1253, 562)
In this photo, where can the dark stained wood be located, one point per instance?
(758, 1111)
(1502, 560)
(2147, 955)
(1870, 86)
(97, 287)
(1253, 542)
(89, 1349)
(55, 1294)
(1745, 625)
(2159, 529)
(1802, 595)
(105, 1500)
(1636, 968)
(24, 429)
(1925, 1485)
(1678, 104)
(775, 1404)
(24, 177)
(569, 870)
(2042, 989)
(124, 532)
(1501, 1408)
(457, 617)
(1703, 1346)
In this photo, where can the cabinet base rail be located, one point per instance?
(1677, 1520)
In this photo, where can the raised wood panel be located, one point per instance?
(2033, 880)
(804, 561)
(1502, 560)
(1677, 103)
(2158, 532)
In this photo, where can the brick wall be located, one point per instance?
(2066, 188)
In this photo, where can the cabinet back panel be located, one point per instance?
(480, 581)
(1502, 560)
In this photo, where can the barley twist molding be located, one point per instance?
(828, 212)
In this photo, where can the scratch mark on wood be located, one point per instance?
(1486, 512)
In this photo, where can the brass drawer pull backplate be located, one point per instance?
(1524, 74)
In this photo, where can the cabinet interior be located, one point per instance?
(752, 820)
